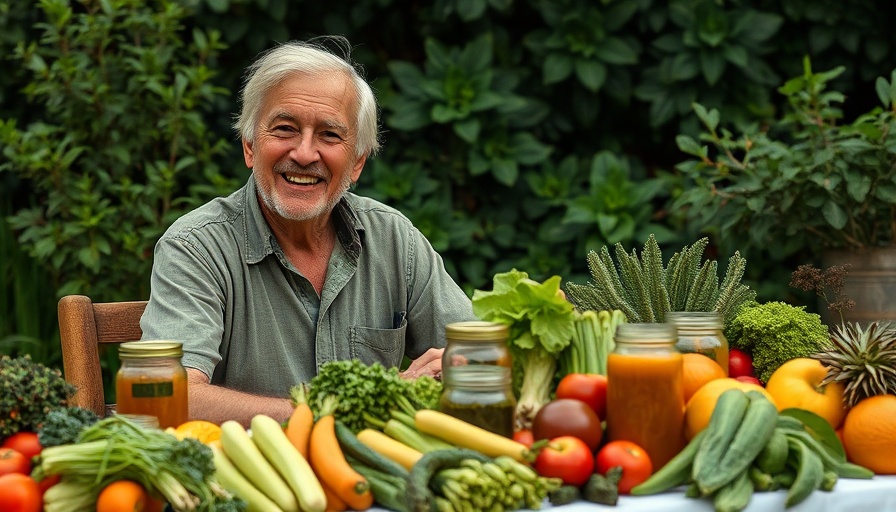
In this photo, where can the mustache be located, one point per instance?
(315, 169)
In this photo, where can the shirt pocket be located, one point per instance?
(385, 346)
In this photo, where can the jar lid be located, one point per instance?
(477, 330)
(646, 333)
(155, 348)
(695, 319)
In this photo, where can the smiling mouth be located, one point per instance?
(301, 179)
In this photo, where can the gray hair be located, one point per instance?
(310, 57)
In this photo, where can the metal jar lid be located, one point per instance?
(476, 330)
(147, 349)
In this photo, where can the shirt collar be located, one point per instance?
(260, 240)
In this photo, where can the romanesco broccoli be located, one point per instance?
(775, 332)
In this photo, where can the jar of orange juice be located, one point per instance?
(701, 332)
(645, 399)
(152, 381)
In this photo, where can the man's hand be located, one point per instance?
(430, 363)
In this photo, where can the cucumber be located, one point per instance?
(729, 412)
(367, 456)
(388, 490)
(751, 436)
(676, 472)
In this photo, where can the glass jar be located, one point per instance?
(481, 395)
(645, 398)
(477, 375)
(151, 381)
(701, 332)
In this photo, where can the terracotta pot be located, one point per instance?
(871, 283)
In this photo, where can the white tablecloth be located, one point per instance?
(850, 495)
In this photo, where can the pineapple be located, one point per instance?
(864, 360)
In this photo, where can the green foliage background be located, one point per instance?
(518, 134)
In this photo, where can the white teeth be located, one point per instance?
(301, 180)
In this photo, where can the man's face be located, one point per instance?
(303, 156)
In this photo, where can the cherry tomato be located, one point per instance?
(567, 458)
(635, 462)
(568, 417)
(749, 380)
(19, 493)
(590, 388)
(12, 461)
(524, 436)
(740, 364)
(25, 443)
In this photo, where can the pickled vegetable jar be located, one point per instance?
(152, 381)
(645, 398)
(701, 332)
(477, 376)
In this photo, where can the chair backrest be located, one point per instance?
(83, 325)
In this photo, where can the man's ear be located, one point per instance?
(248, 154)
(358, 167)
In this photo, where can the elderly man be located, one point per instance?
(293, 270)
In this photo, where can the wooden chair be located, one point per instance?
(83, 325)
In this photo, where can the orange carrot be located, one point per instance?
(300, 422)
(329, 463)
(334, 502)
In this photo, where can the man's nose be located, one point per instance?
(305, 152)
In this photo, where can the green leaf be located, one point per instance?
(614, 50)
(407, 77)
(818, 428)
(505, 170)
(470, 10)
(468, 130)
(886, 94)
(710, 118)
(591, 73)
(712, 64)
(834, 214)
(690, 146)
(527, 149)
(557, 67)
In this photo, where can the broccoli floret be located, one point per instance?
(63, 426)
(775, 332)
(28, 392)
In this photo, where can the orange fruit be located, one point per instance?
(869, 434)
(122, 496)
(797, 383)
(699, 408)
(202, 430)
(698, 370)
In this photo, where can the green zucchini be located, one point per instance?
(751, 436)
(676, 472)
(388, 490)
(729, 412)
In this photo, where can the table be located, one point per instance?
(849, 495)
(875, 495)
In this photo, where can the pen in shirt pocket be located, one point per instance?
(398, 319)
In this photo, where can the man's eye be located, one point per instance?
(332, 135)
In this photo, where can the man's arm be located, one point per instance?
(218, 404)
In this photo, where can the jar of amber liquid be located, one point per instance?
(701, 332)
(152, 381)
(477, 375)
(645, 398)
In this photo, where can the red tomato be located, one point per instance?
(12, 461)
(19, 493)
(740, 364)
(567, 458)
(25, 443)
(635, 462)
(524, 436)
(590, 388)
(568, 417)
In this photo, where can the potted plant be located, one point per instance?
(806, 181)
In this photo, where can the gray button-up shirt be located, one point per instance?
(251, 321)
